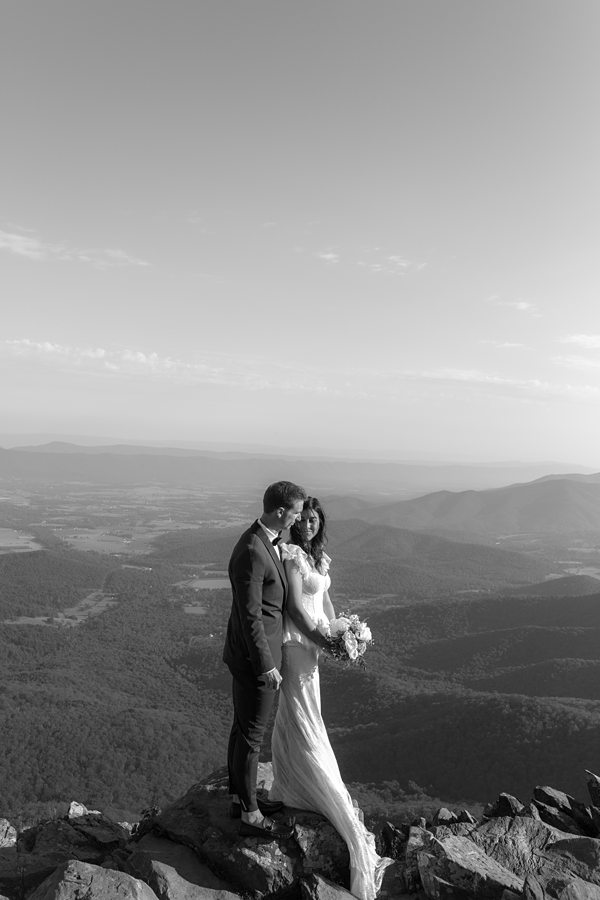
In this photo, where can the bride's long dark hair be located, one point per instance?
(316, 547)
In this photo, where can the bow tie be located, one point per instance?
(276, 541)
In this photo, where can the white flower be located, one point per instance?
(364, 633)
(351, 645)
(339, 626)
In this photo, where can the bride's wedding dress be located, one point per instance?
(305, 771)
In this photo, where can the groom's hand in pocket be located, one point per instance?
(273, 678)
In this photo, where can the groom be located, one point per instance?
(253, 651)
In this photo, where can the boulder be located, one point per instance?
(393, 840)
(10, 876)
(8, 834)
(418, 840)
(459, 862)
(323, 850)
(579, 855)
(593, 786)
(518, 844)
(505, 805)
(89, 838)
(556, 817)
(78, 810)
(569, 807)
(444, 816)
(75, 880)
(464, 816)
(542, 887)
(174, 872)
(464, 829)
(531, 848)
(531, 812)
(200, 820)
(440, 889)
(315, 887)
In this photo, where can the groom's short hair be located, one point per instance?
(282, 494)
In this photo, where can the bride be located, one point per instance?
(305, 771)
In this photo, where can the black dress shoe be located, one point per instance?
(267, 829)
(267, 808)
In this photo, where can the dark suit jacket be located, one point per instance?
(259, 586)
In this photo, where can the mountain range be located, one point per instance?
(557, 505)
(232, 470)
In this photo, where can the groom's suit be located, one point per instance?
(252, 648)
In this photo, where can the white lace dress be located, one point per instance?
(305, 771)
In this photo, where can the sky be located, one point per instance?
(360, 229)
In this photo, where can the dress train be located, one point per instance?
(305, 771)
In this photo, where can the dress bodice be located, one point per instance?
(314, 584)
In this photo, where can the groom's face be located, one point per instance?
(291, 514)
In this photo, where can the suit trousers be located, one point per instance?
(252, 704)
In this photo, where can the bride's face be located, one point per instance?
(309, 524)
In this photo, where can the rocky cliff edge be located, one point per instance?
(545, 849)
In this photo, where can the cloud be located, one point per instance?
(583, 363)
(214, 369)
(380, 261)
(504, 345)
(26, 244)
(373, 259)
(522, 306)
(328, 256)
(587, 341)
(488, 382)
(257, 374)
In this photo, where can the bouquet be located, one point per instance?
(349, 638)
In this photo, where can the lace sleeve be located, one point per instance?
(325, 563)
(297, 557)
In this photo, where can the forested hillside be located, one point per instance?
(469, 688)
(102, 713)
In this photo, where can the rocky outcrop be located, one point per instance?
(545, 849)
(75, 880)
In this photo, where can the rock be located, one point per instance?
(444, 816)
(89, 838)
(593, 786)
(464, 829)
(531, 812)
(200, 820)
(10, 877)
(8, 834)
(77, 810)
(315, 887)
(323, 850)
(463, 815)
(569, 807)
(580, 855)
(505, 805)
(559, 888)
(518, 844)
(174, 872)
(531, 848)
(418, 840)
(76, 880)
(461, 863)
(393, 840)
(440, 889)
(556, 817)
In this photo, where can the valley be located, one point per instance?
(483, 674)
